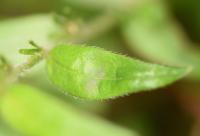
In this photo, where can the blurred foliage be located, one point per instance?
(39, 114)
(21, 7)
(164, 40)
(187, 12)
(165, 31)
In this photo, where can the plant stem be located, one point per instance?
(19, 70)
(32, 61)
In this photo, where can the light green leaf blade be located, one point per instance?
(152, 34)
(93, 73)
(34, 113)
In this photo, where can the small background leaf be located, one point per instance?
(152, 34)
(34, 113)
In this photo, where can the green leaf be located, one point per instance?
(32, 43)
(29, 51)
(151, 33)
(34, 113)
(36, 49)
(93, 73)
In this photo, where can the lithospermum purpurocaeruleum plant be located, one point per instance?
(66, 51)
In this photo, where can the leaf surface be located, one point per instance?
(93, 73)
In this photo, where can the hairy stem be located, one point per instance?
(32, 61)
(21, 69)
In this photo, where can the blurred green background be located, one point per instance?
(153, 31)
